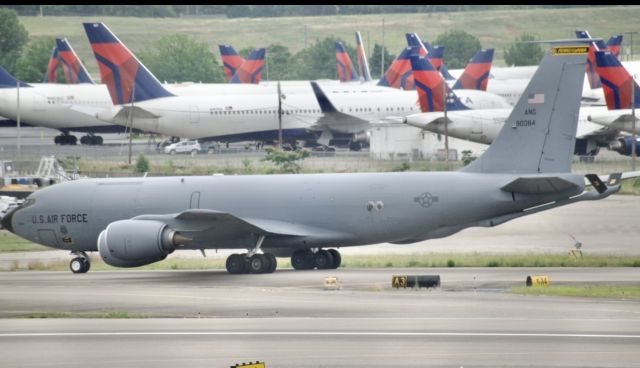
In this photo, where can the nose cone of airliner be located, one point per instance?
(7, 220)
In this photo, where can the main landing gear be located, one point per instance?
(305, 259)
(252, 262)
(65, 138)
(322, 259)
(80, 264)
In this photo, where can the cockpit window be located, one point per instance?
(28, 202)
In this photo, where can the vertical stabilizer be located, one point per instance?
(614, 44)
(476, 74)
(250, 72)
(346, 72)
(231, 61)
(125, 76)
(51, 75)
(399, 71)
(616, 82)
(431, 86)
(74, 70)
(539, 135)
(363, 64)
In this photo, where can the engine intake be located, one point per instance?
(133, 243)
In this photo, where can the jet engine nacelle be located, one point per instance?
(133, 243)
(624, 146)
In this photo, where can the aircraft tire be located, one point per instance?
(273, 262)
(337, 258)
(303, 260)
(323, 260)
(78, 265)
(236, 264)
(85, 139)
(87, 264)
(259, 263)
(98, 140)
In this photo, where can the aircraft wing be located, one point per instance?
(614, 119)
(330, 114)
(425, 120)
(215, 227)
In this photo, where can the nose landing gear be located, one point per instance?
(80, 264)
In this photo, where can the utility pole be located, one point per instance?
(633, 125)
(446, 125)
(630, 43)
(19, 148)
(133, 93)
(279, 118)
(382, 52)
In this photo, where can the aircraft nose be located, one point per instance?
(6, 221)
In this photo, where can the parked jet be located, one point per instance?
(136, 221)
(618, 84)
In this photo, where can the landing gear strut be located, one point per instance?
(321, 259)
(80, 264)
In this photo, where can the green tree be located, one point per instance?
(287, 162)
(278, 63)
(142, 164)
(178, 58)
(13, 38)
(375, 60)
(523, 52)
(33, 63)
(319, 60)
(460, 47)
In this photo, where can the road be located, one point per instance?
(212, 319)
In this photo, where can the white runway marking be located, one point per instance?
(317, 333)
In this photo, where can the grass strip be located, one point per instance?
(600, 291)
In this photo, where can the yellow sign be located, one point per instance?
(570, 50)
(399, 281)
(250, 365)
(331, 283)
(537, 280)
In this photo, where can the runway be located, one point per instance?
(287, 319)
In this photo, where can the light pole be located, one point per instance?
(631, 33)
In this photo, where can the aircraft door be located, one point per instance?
(195, 200)
(48, 237)
(194, 114)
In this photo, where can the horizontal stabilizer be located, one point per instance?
(539, 185)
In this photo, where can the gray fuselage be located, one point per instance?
(329, 209)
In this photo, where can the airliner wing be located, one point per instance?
(614, 119)
(330, 114)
